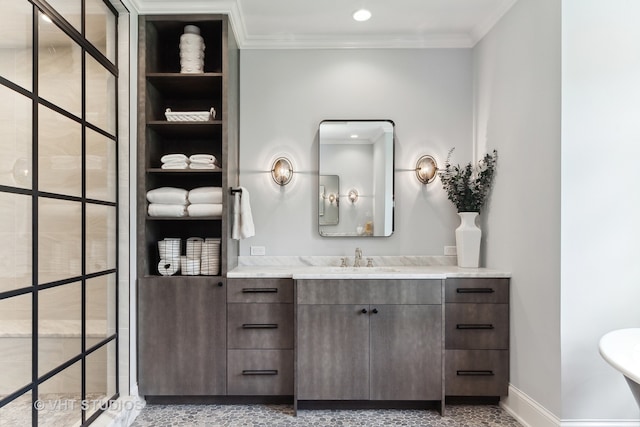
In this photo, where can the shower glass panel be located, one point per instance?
(101, 96)
(59, 240)
(18, 411)
(59, 325)
(101, 28)
(62, 398)
(59, 153)
(15, 344)
(101, 167)
(15, 138)
(59, 68)
(101, 311)
(100, 253)
(16, 51)
(15, 233)
(71, 11)
(101, 367)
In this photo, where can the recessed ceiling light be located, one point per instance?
(354, 136)
(361, 15)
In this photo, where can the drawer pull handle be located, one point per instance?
(260, 372)
(474, 326)
(475, 290)
(259, 290)
(259, 326)
(475, 373)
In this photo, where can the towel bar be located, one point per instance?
(235, 190)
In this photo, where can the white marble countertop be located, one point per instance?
(397, 267)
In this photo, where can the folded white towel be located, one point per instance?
(172, 211)
(168, 158)
(202, 158)
(205, 195)
(202, 166)
(175, 165)
(206, 209)
(242, 218)
(189, 267)
(168, 196)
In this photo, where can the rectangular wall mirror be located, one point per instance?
(356, 164)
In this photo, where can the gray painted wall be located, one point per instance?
(285, 94)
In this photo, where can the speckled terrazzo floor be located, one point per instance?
(282, 415)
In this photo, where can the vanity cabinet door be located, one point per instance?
(333, 352)
(406, 352)
(182, 336)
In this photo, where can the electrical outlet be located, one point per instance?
(450, 250)
(257, 250)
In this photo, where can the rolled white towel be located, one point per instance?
(202, 166)
(202, 158)
(172, 211)
(189, 267)
(202, 195)
(168, 196)
(175, 165)
(169, 267)
(169, 158)
(207, 209)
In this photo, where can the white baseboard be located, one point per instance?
(530, 413)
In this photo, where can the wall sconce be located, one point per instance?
(426, 169)
(353, 195)
(282, 171)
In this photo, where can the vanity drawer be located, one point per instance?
(259, 326)
(477, 290)
(476, 372)
(476, 326)
(260, 290)
(369, 291)
(260, 372)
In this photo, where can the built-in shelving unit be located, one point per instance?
(181, 313)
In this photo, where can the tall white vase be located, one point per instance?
(468, 236)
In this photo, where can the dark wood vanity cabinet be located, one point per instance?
(260, 331)
(476, 336)
(181, 336)
(369, 340)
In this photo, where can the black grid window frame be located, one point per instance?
(33, 290)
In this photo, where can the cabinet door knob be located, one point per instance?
(220, 284)
(374, 311)
(364, 311)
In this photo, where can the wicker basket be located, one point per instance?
(190, 116)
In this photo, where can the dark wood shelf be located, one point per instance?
(177, 85)
(186, 129)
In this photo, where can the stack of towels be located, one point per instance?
(177, 202)
(205, 201)
(195, 161)
(168, 202)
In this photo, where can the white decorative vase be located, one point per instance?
(468, 236)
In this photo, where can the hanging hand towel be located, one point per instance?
(242, 218)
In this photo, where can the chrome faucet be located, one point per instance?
(358, 258)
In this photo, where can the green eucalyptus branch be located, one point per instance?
(468, 187)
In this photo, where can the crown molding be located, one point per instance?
(233, 9)
(483, 28)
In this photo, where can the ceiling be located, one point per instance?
(268, 24)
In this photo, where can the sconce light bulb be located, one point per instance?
(282, 171)
(426, 169)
